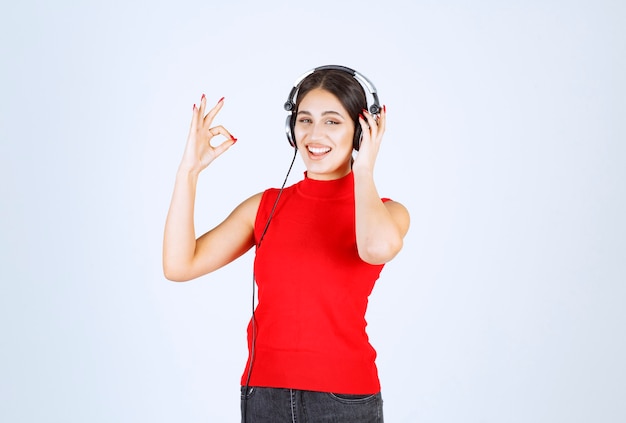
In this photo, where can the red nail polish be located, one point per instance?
(384, 108)
(220, 100)
(361, 116)
(203, 97)
(233, 138)
(194, 106)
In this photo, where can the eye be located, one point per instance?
(332, 122)
(304, 120)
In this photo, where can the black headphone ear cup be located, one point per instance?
(289, 129)
(292, 126)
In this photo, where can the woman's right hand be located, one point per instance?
(199, 152)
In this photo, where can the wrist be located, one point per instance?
(187, 172)
(362, 171)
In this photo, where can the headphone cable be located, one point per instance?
(253, 319)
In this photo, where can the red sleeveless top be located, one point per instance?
(313, 291)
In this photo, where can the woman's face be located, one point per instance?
(324, 132)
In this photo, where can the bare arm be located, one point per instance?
(184, 256)
(380, 227)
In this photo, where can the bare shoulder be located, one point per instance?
(248, 208)
(400, 215)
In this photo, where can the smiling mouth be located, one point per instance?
(318, 151)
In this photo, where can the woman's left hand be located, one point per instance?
(373, 128)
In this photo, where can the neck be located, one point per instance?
(338, 174)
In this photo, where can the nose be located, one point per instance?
(317, 131)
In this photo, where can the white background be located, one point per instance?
(506, 142)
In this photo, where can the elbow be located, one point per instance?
(380, 252)
(176, 268)
(174, 273)
(173, 276)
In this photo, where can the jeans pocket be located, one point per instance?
(354, 398)
(249, 393)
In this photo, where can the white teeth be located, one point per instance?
(318, 150)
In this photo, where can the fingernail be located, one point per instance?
(203, 97)
(233, 138)
(385, 108)
(361, 116)
(194, 106)
(364, 111)
(220, 100)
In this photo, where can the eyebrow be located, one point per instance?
(328, 112)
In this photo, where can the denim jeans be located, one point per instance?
(277, 405)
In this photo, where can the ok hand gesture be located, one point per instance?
(199, 152)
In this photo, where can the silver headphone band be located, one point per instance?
(363, 80)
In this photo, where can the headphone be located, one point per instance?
(290, 104)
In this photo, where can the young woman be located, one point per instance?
(320, 246)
